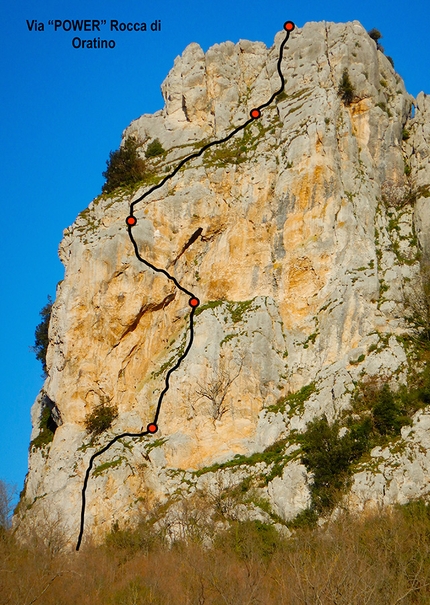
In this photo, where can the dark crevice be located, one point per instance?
(191, 241)
(147, 308)
(54, 419)
(184, 108)
(209, 238)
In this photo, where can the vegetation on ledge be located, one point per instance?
(125, 166)
(100, 419)
(41, 339)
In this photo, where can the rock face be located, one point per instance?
(286, 235)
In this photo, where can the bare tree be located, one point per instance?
(6, 497)
(216, 388)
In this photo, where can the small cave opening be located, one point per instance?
(50, 414)
(49, 421)
(51, 424)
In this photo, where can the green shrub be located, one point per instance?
(382, 412)
(296, 400)
(41, 339)
(306, 519)
(360, 358)
(124, 166)
(376, 35)
(236, 151)
(421, 393)
(328, 457)
(154, 148)
(413, 397)
(388, 418)
(382, 105)
(99, 470)
(100, 419)
(346, 89)
(274, 453)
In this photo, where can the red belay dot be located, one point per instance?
(131, 220)
(194, 302)
(152, 427)
(255, 113)
(289, 26)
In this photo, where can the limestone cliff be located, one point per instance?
(291, 237)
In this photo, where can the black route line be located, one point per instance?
(194, 302)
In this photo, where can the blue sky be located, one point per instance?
(63, 109)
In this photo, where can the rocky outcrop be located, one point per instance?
(300, 261)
